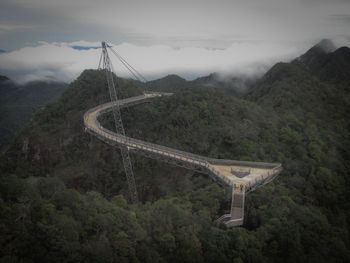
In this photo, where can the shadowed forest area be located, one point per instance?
(19, 102)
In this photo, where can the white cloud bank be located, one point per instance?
(60, 61)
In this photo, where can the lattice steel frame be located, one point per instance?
(119, 123)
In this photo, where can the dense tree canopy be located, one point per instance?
(18, 103)
(63, 196)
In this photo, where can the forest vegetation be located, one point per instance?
(19, 102)
(64, 197)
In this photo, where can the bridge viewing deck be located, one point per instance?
(242, 176)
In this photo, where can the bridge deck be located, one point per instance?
(226, 171)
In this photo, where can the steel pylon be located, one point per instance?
(107, 66)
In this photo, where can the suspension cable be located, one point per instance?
(99, 63)
(131, 69)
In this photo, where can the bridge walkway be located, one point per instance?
(228, 172)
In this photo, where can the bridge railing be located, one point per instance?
(193, 159)
(190, 158)
(147, 96)
(135, 143)
(127, 140)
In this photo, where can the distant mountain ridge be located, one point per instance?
(236, 85)
(3, 78)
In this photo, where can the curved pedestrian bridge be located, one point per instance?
(242, 176)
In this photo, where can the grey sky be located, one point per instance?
(200, 22)
(210, 24)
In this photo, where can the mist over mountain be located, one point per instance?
(236, 85)
(326, 62)
(63, 193)
(322, 60)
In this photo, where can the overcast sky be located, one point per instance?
(159, 37)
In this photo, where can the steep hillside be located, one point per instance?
(314, 57)
(55, 144)
(312, 103)
(19, 102)
(170, 83)
(314, 111)
(327, 63)
(288, 88)
(313, 87)
(63, 192)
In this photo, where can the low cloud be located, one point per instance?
(13, 27)
(63, 61)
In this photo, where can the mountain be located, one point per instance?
(318, 77)
(236, 85)
(19, 102)
(309, 96)
(63, 192)
(170, 83)
(327, 63)
(287, 88)
(323, 59)
(315, 54)
(3, 79)
(56, 134)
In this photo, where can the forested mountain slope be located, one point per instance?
(62, 191)
(19, 102)
(326, 62)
